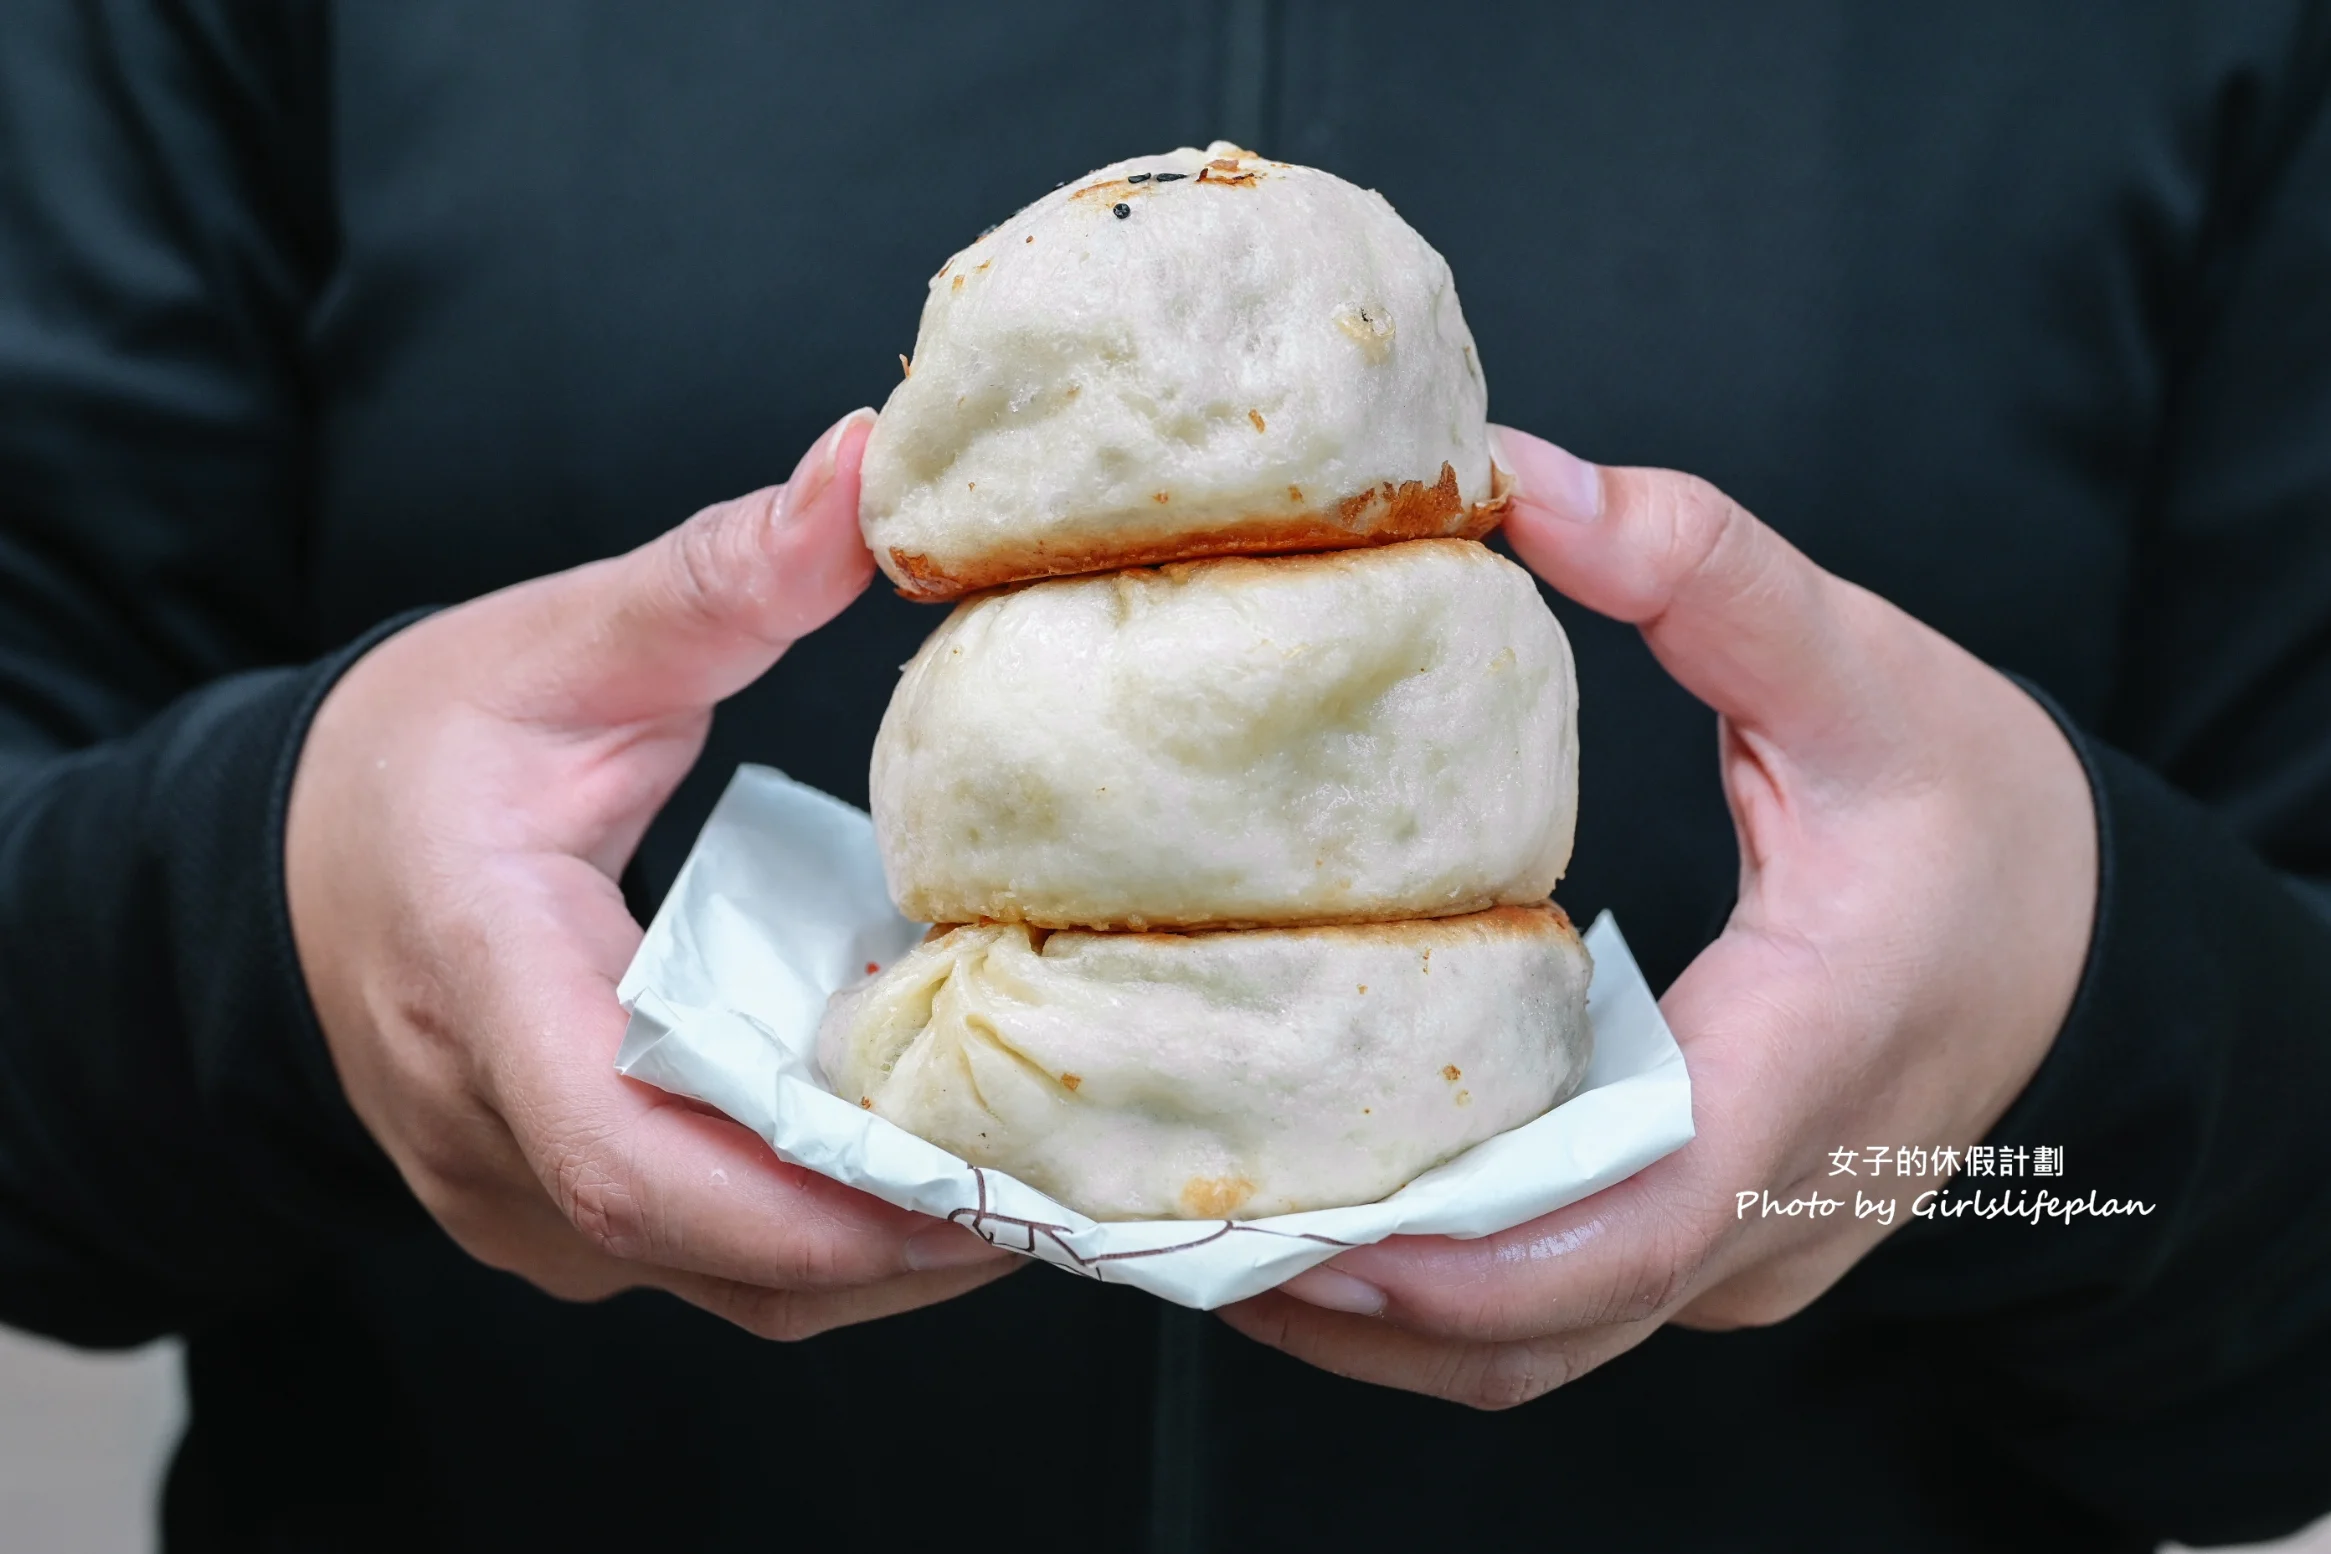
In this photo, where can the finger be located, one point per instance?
(1740, 617)
(1478, 1375)
(789, 1315)
(700, 612)
(1614, 1257)
(498, 1213)
(643, 1176)
(668, 1186)
(485, 1196)
(520, 1232)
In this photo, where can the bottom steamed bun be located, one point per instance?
(1220, 1075)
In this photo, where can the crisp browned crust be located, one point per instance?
(1269, 571)
(1384, 514)
(1538, 919)
(1522, 919)
(1220, 173)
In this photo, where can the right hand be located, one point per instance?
(467, 797)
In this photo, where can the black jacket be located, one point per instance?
(2019, 314)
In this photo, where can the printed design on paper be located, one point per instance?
(990, 1226)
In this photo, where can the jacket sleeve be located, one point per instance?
(2173, 1368)
(171, 1135)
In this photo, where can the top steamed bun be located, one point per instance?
(1195, 354)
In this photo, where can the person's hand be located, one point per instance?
(465, 801)
(1917, 884)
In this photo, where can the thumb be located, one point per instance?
(1741, 618)
(703, 610)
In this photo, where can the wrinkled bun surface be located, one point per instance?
(1343, 737)
(1219, 1075)
(1253, 358)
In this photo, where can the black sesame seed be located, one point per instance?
(1170, 177)
(1122, 211)
(1137, 178)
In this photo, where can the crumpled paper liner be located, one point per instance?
(781, 903)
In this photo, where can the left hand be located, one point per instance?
(465, 802)
(1917, 883)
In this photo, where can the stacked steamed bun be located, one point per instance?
(1239, 791)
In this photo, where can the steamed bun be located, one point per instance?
(1219, 1075)
(1195, 354)
(1344, 737)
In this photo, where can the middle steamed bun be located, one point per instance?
(1352, 736)
(1194, 354)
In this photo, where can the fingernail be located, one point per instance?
(1561, 482)
(948, 1246)
(1336, 1291)
(815, 472)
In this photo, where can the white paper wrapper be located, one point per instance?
(782, 903)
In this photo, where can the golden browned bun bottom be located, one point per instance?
(1382, 515)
